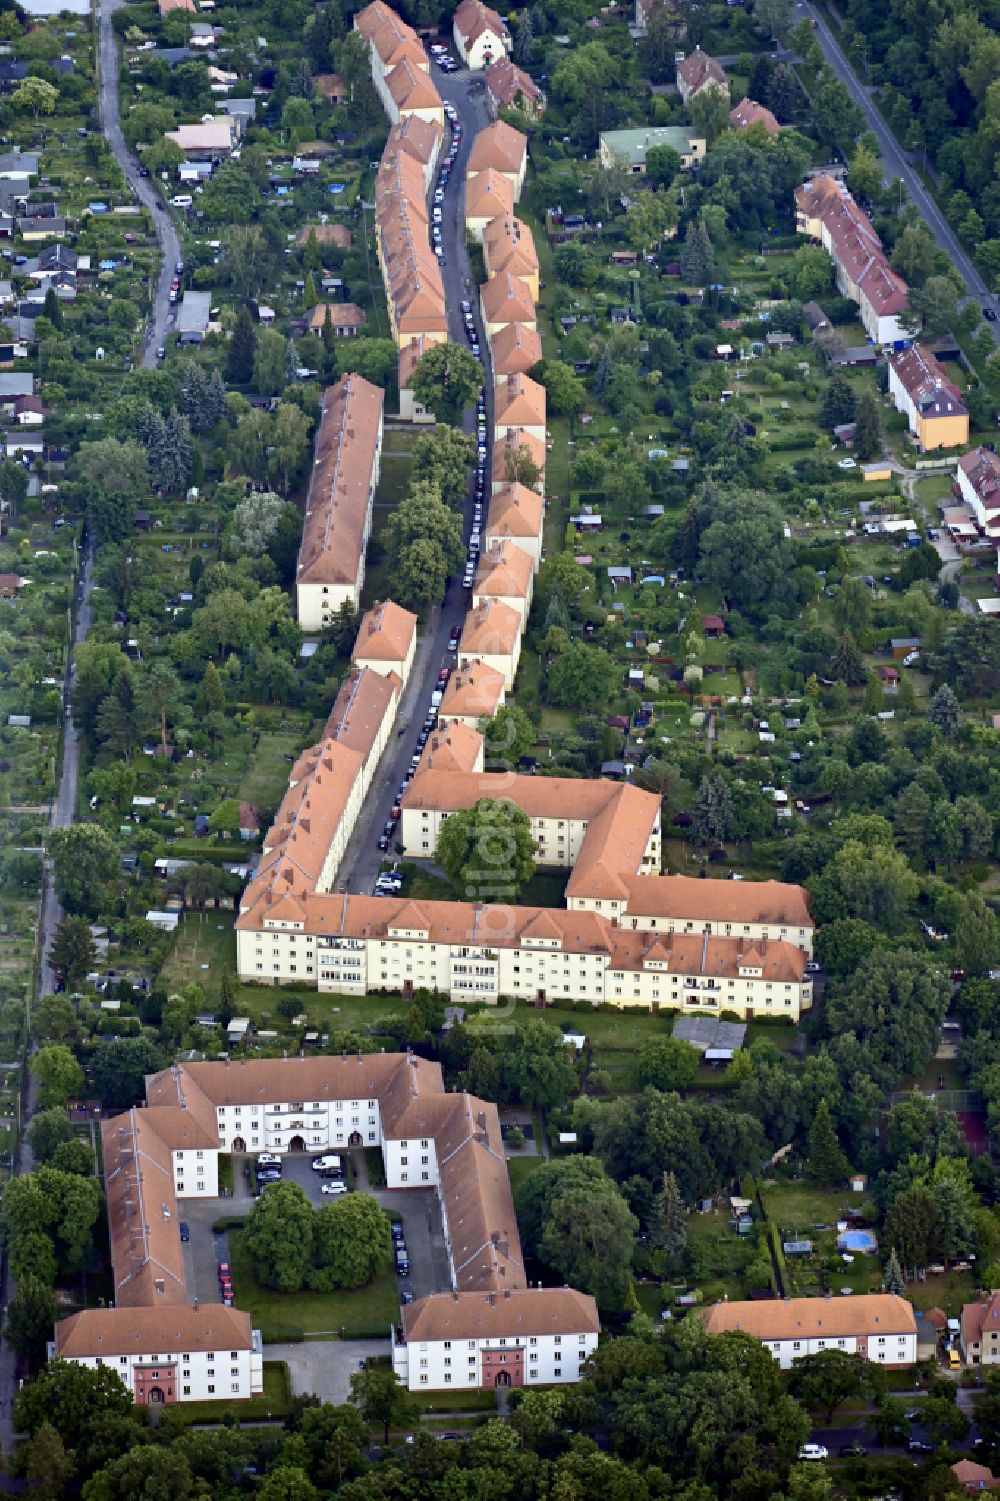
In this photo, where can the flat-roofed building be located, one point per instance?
(348, 448)
(628, 148)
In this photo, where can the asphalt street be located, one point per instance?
(363, 859)
(142, 187)
(896, 163)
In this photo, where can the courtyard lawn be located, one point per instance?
(275, 1401)
(519, 1169)
(365, 1312)
(799, 1207)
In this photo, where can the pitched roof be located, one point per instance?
(507, 83)
(473, 692)
(346, 454)
(981, 468)
(505, 572)
(499, 147)
(515, 347)
(506, 299)
(474, 19)
(926, 382)
(518, 399)
(557, 1310)
(701, 954)
(514, 440)
(515, 511)
(342, 315)
(273, 1081)
(777, 903)
(488, 194)
(980, 1318)
(748, 112)
(492, 629)
(508, 244)
(386, 633)
(457, 747)
(871, 1313)
(147, 1265)
(150, 1331)
(411, 88)
(698, 68)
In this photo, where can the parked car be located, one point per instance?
(334, 1190)
(185, 1231)
(814, 1451)
(854, 1450)
(920, 1446)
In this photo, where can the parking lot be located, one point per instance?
(416, 1208)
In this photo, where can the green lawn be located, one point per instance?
(365, 1312)
(266, 777)
(521, 1168)
(795, 1206)
(204, 950)
(274, 1402)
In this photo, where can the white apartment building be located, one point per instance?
(881, 1327)
(182, 1354)
(444, 1342)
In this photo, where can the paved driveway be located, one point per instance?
(324, 1368)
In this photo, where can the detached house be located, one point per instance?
(933, 405)
(698, 72)
(510, 87)
(977, 480)
(481, 35)
(748, 112)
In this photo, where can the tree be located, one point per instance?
(242, 349)
(279, 1237)
(565, 393)
(380, 1398)
(112, 476)
(874, 700)
(487, 851)
(945, 712)
(74, 1399)
(54, 1019)
(119, 1070)
(709, 111)
(47, 1467)
(977, 936)
(826, 1163)
(868, 428)
(581, 677)
(648, 217)
(839, 403)
(696, 252)
(423, 537)
(889, 1420)
(509, 735)
(255, 521)
(744, 552)
(442, 458)
(35, 97)
(847, 663)
(826, 1379)
(287, 1482)
(666, 1063)
(48, 1130)
(31, 1314)
(269, 361)
(59, 1076)
(73, 951)
(895, 1282)
(670, 1220)
(352, 1242)
(663, 165)
(712, 816)
(933, 307)
(810, 276)
(774, 17)
(14, 481)
(446, 380)
(588, 1235)
(944, 1420)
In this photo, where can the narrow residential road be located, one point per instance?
(362, 859)
(145, 192)
(895, 161)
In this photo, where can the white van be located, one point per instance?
(181, 200)
(324, 1164)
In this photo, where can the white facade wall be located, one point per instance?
(196, 1174)
(546, 1359)
(503, 429)
(500, 661)
(384, 668)
(411, 1163)
(196, 1375)
(531, 545)
(901, 399)
(557, 840)
(484, 50)
(320, 1125)
(886, 1349)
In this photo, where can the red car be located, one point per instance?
(225, 1272)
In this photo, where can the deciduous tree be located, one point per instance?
(487, 851)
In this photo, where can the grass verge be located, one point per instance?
(275, 1401)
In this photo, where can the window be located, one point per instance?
(186, 1391)
(234, 1386)
(210, 1389)
(423, 1380)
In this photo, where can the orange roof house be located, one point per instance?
(748, 112)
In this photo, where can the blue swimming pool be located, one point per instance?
(857, 1240)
